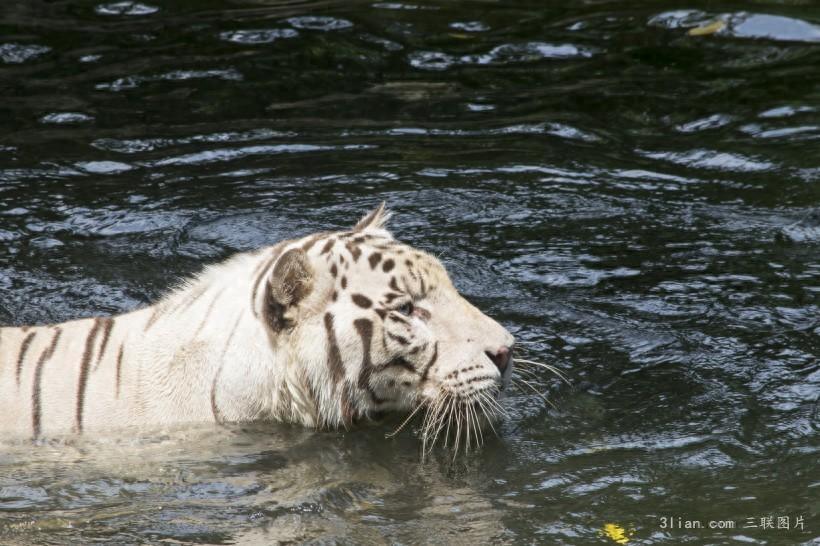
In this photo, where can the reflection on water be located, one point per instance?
(634, 191)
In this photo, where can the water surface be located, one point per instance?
(632, 188)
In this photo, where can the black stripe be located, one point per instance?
(400, 339)
(155, 314)
(401, 363)
(208, 312)
(365, 329)
(36, 408)
(83, 381)
(23, 349)
(354, 251)
(230, 337)
(334, 356)
(398, 318)
(214, 409)
(307, 245)
(119, 370)
(390, 296)
(108, 324)
(328, 246)
(182, 306)
(431, 362)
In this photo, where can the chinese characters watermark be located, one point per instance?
(767, 522)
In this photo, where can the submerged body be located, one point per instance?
(319, 331)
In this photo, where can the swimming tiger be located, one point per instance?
(323, 331)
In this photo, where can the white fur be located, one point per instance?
(205, 352)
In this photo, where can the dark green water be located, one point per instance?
(639, 205)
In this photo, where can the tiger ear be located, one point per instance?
(375, 220)
(290, 282)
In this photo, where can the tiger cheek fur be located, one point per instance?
(322, 331)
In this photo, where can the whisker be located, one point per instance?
(536, 362)
(528, 372)
(434, 415)
(495, 405)
(466, 412)
(548, 367)
(431, 413)
(460, 420)
(536, 391)
(458, 433)
(474, 419)
(489, 419)
(404, 423)
(438, 424)
(480, 433)
(437, 420)
(449, 422)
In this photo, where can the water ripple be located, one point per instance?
(103, 167)
(630, 189)
(132, 82)
(470, 26)
(125, 8)
(230, 154)
(259, 36)
(319, 22)
(503, 54)
(131, 146)
(21, 53)
(62, 118)
(710, 159)
(714, 121)
(528, 52)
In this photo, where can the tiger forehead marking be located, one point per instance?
(322, 331)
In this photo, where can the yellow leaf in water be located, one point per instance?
(460, 36)
(706, 30)
(615, 532)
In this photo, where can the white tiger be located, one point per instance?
(320, 331)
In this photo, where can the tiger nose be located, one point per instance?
(501, 357)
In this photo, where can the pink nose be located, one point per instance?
(501, 357)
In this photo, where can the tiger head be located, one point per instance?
(374, 325)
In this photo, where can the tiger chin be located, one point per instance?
(322, 331)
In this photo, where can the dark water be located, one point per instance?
(632, 188)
